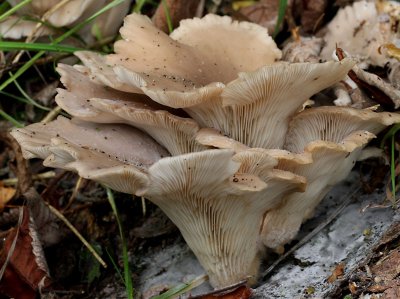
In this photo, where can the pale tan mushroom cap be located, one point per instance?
(217, 208)
(360, 30)
(116, 155)
(69, 14)
(185, 71)
(90, 101)
(15, 28)
(276, 91)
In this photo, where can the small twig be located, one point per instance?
(51, 115)
(80, 237)
(74, 193)
(39, 176)
(314, 232)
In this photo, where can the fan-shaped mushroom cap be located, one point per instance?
(330, 123)
(333, 137)
(216, 208)
(192, 65)
(68, 14)
(102, 73)
(115, 155)
(360, 30)
(245, 102)
(15, 28)
(92, 102)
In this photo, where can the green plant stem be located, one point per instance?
(127, 272)
(281, 15)
(28, 98)
(14, 9)
(10, 46)
(167, 16)
(12, 120)
(138, 6)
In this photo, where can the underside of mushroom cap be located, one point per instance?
(80, 89)
(217, 209)
(115, 155)
(331, 163)
(176, 134)
(278, 90)
(330, 123)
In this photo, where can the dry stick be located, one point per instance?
(80, 237)
(39, 176)
(74, 193)
(51, 115)
(315, 231)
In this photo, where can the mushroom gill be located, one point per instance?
(334, 138)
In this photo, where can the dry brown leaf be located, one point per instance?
(242, 292)
(6, 193)
(336, 273)
(26, 270)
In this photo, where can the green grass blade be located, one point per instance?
(281, 15)
(14, 9)
(28, 98)
(138, 6)
(182, 288)
(12, 120)
(115, 266)
(4, 7)
(73, 30)
(127, 272)
(167, 16)
(12, 46)
(87, 21)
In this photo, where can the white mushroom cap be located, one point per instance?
(115, 155)
(217, 209)
(360, 30)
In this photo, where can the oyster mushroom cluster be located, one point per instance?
(209, 125)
